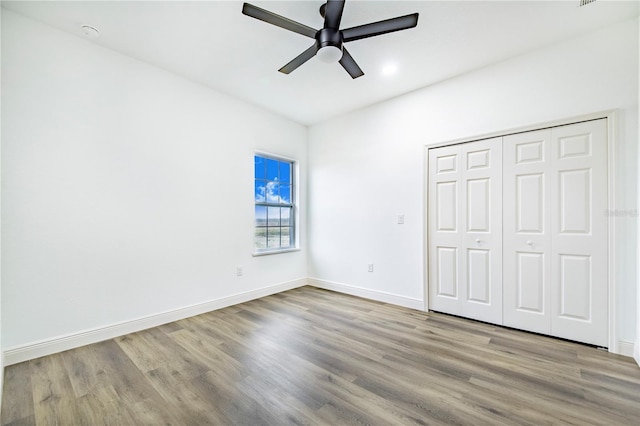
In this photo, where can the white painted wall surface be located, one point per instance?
(1, 347)
(368, 166)
(127, 191)
(636, 346)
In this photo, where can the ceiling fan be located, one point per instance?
(329, 40)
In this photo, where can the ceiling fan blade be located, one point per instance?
(333, 13)
(349, 64)
(380, 27)
(299, 60)
(277, 20)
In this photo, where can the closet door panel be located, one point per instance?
(479, 276)
(446, 267)
(575, 287)
(444, 230)
(579, 253)
(529, 203)
(481, 204)
(446, 206)
(530, 281)
(465, 231)
(527, 231)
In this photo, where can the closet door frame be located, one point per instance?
(612, 164)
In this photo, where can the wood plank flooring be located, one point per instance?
(310, 356)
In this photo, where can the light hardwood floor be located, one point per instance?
(310, 356)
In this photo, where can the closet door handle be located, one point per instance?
(529, 242)
(478, 240)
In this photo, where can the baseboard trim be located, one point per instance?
(379, 296)
(636, 352)
(62, 343)
(625, 348)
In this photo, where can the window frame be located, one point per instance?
(292, 205)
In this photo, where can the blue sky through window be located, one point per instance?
(273, 195)
(272, 181)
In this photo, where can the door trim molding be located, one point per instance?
(612, 161)
(614, 344)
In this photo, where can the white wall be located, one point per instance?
(127, 191)
(636, 348)
(366, 167)
(1, 347)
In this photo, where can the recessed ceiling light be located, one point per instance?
(389, 69)
(90, 32)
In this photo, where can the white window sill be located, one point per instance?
(268, 252)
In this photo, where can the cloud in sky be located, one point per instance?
(272, 192)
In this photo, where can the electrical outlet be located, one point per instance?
(239, 271)
(370, 267)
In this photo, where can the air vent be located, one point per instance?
(585, 2)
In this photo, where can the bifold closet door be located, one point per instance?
(555, 232)
(465, 230)
(527, 218)
(579, 252)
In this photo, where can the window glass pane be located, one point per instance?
(261, 238)
(259, 167)
(273, 184)
(261, 216)
(285, 172)
(260, 190)
(285, 194)
(272, 169)
(273, 237)
(285, 237)
(285, 216)
(273, 216)
(271, 192)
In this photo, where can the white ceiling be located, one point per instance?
(212, 43)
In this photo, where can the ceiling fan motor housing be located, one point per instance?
(329, 45)
(329, 37)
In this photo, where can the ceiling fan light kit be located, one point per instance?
(329, 54)
(329, 40)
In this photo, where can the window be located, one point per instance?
(274, 204)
